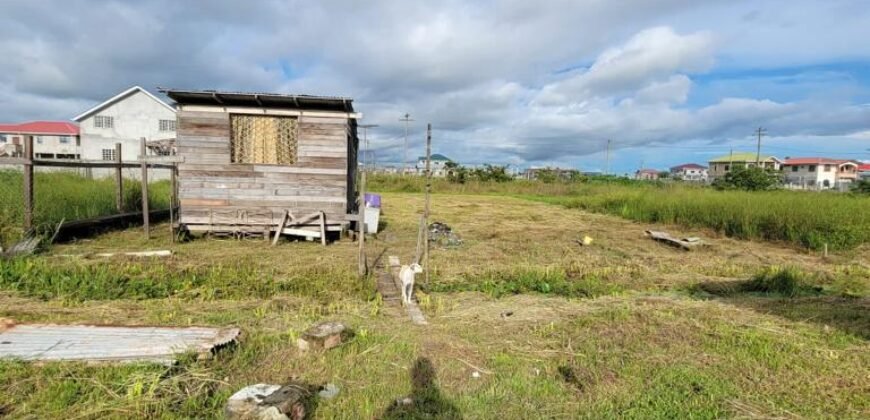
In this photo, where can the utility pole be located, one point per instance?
(760, 132)
(406, 119)
(365, 128)
(607, 159)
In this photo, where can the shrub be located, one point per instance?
(785, 281)
(749, 179)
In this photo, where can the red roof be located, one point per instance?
(57, 128)
(814, 161)
(864, 167)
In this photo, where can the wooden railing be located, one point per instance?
(144, 162)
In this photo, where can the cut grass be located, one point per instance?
(809, 219)
(636, 343)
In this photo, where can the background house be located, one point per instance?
(864, 171)
(646, 174)
(690, 172)
(723, 164)
(437, 165)
(819, 173)
(125, 118)
(532, 174)
(51, 139)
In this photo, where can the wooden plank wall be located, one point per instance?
(209, 182)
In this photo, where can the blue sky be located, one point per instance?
(510, 81)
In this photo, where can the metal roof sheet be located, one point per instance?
(108, 343)
(259, 100)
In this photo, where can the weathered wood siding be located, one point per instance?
(321, 179)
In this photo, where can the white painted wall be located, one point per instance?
(436, 166)
(135, 116)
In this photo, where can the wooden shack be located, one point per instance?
(251, 159)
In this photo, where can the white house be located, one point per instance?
(125, 118)
(51, 139)
(438, 164)
(819, 173)
(690, 172)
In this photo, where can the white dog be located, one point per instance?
(407, 276)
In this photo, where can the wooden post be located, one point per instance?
(361, 225)
(28, 183)
(173, 198)
(142, 152)
(323, 228)
(426, 209)
(119, 180)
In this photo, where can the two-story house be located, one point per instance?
(690, 172)
(51, 139)
(125, 118)
(723, 164)
(818, 173)
(437, 162)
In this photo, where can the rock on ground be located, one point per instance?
(324, 335)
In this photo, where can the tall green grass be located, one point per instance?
(808, 219)
(67, 195)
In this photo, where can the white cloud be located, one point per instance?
(649, 56)
(490, 75)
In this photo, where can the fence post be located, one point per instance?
(173, 198)
(363, 265)
(142, 152)
(119, 180)
(28, 183)
(426, 208)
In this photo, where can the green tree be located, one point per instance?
(862, 186)
(749, 179)
(547, 175)
(456, 173)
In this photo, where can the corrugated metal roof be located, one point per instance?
(259, 100)
(742, 157)
(814, 161)
(58, 128)
(109, 343)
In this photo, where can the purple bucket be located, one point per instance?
(373, 200)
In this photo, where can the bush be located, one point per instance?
(862, 186)
(749, 179)
(785, 281)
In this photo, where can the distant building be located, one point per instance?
(816, 173)
(533, 174)
(864, 171)
(126, 118)
(690, 172)
(646, 174)
(51, 139)
(437, 162)
(723, 164)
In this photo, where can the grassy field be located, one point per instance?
(626, 327)
(66, 195)
(808, 219)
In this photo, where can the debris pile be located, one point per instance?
(443, 235)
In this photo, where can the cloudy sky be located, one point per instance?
(526, 83)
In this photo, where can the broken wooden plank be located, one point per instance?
(46, 342)
(666, 238)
